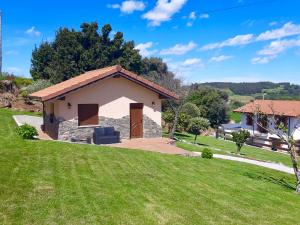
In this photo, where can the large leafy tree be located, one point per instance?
(74, 52)
(212, 104)
(156, 70)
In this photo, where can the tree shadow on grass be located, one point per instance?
(202, 144)
(181, 135)
(278, 181)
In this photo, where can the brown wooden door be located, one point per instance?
(136, 120)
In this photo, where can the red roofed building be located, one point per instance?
(111, 97)
(261, 114)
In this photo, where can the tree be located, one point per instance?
(240, 137)
(156, 70)
(191, 110)
(212, 104)
(197, 125)
(285, 135)
(168, 118)
(74, 52)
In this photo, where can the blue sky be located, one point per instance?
(200, 40)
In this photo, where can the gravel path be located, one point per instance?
(270, 165)
(31, 120)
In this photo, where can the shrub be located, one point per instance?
(22, 81)
(191, 110)
(240, 137)
(37, 85)
(27, 132)
(197, 125)
(24, 94)
(207, 154)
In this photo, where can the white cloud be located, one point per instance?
(129, 6)
(288, 29)
(33, 32)
(204, 16)
(193, 62)
(273, 23)
(179, 49)
(220, 58)
(114, 6)
(189, 24)
(144, 49)
(275, 48)
(192, 16)
(235, 41)
(184, 69)
(163, 11)
(262, 59)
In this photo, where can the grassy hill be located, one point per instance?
(245, 90)
(44, 182)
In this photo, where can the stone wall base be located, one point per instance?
(69, 130)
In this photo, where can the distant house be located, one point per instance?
(269, 114)
(108, 97)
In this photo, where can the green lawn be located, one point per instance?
(221, 146)
(236, 117)
(241, 98)
(44, 182)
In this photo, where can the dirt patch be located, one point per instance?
(22, 105)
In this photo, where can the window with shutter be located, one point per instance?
(88, 114)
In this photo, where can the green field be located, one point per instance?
(221, 146)
(241, 98)
(44, 182)
(236, 117)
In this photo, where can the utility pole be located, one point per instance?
(0, 42)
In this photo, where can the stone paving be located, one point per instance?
(270, 165)
(162, 145)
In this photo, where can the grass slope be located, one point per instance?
(43, 182)
(229, 147)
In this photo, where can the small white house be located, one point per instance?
(260, 116)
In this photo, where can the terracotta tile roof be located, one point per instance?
(95, 75)
(272, 107)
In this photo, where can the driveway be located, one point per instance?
(162, 145)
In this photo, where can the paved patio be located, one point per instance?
(162, 145)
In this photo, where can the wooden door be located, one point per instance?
(136, 120)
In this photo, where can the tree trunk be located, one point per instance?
(217, 132)
(171, 134)
(238, 149)
(293, 155)
(195, 139)
(169, 128)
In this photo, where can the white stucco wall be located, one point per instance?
(294, 126)
(113, 95)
